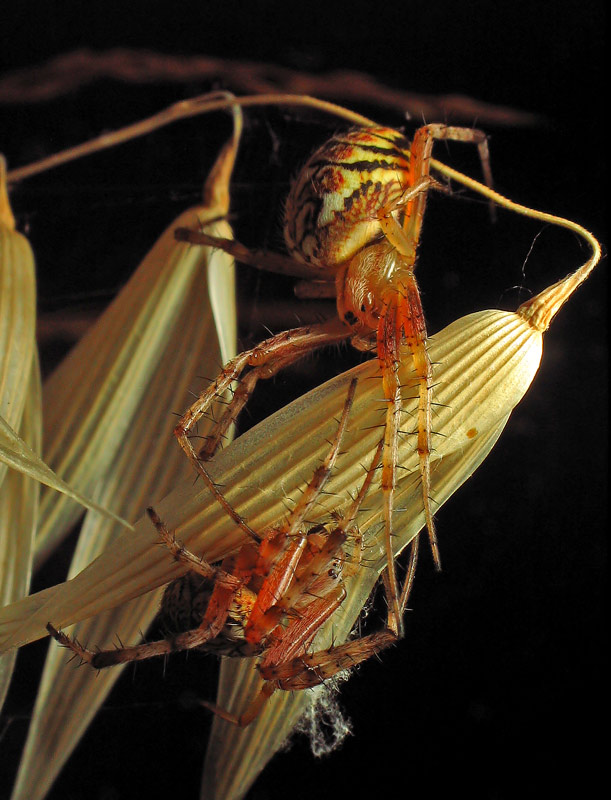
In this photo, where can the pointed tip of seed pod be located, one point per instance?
(541, 309)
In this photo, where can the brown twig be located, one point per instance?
(79, 68)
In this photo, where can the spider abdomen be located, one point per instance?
(333, 207)
(184, 602)
(184, 606)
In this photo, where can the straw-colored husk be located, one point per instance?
(20, 410)
(110, 429)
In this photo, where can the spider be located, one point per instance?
(352, 222)
(269, 599)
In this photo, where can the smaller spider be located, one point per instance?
(269, 599)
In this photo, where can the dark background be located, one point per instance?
(497, 688)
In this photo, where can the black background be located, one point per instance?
(497, 688)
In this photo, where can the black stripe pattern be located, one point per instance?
(334, 204)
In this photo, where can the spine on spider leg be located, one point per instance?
(196, 564)
(101, 659)
(241, 394)
(410, 320)
(216, 390)
(389, 363)
(266, 360)
(316, 668)
(278, 560)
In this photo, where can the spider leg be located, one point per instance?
(405, 306)
(315, 290)
(348, 520)
(388, 354)
(402, 324)
(275, 597)
(252, 712)
(300, 632)
(265, 360)
(210, 627)
(321, 475)
(420, 157)
(279, 557)
(295, 638)
(260, 259)
(308, 578)
(408, 582)
(226, 587)
(311, 669)
(100, 659)
(307, 671)
(194, 563)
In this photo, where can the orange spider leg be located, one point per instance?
(265, 360)
(212, 624)
(292, 672)
(282, 669)
(267, 613)
(195, 564)
(325, 548)
(227, 588)
(420, 155)
(321, 474)
(388, 354)
(260, 259)
(296, 637)
(280, 555)
(350, 516)
(402, 321)
(312, 669)
(403, 325)
(252, 712)
(306, 577)
(312, 285)
(99, 659)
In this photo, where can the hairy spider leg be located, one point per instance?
(227, 586)
(311, 669)
(289, 667)
(265, 361)
(281, 561)
(285, 664)
(402, 327)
